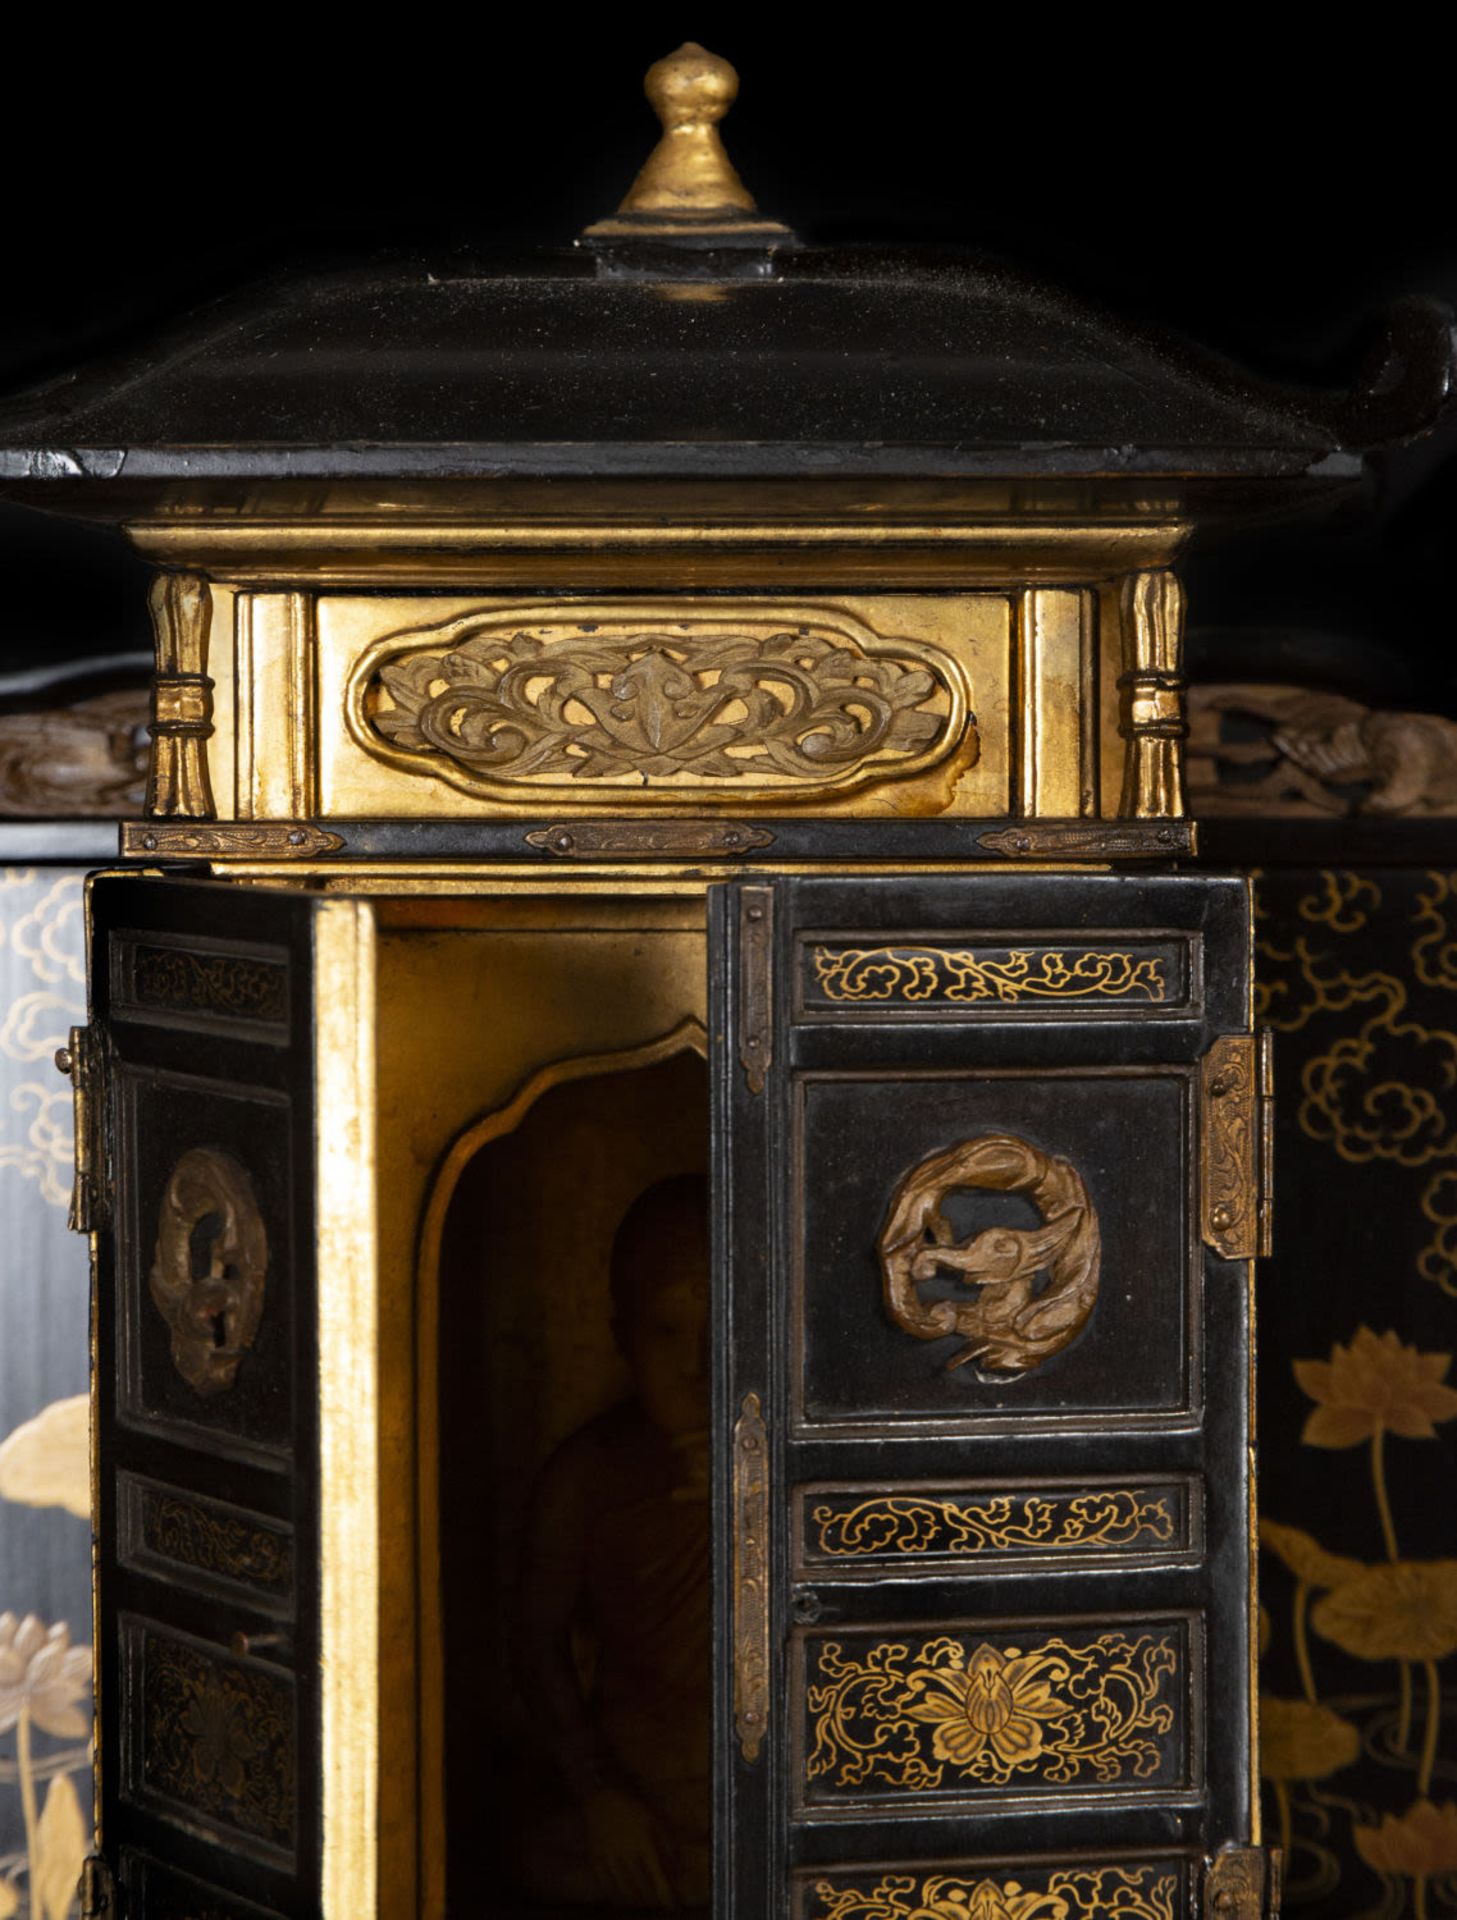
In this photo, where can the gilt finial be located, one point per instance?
(688, 184)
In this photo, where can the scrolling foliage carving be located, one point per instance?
(209, 1267)
(1008, 1324)
(695, 705)
(1058, 1712)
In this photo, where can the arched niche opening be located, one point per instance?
(546, 1483)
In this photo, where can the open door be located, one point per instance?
(226, 1171)
(986, 1155)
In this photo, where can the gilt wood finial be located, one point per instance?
(688, 185)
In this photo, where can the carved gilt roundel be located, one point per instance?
(209, 1266)
(1030, 1290)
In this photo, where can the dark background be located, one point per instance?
(1265, 196)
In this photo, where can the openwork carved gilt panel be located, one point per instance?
(1005, 1711)
(746, 706)
(1155, 1891)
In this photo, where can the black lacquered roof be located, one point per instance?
(805, 362)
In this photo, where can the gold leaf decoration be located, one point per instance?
(61, 1852)
(1059, 1713)
(703, 707)
(46, 1461)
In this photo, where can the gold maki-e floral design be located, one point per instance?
(1079, 1893)
(1092, 1710)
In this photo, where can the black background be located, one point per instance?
(1261, 183)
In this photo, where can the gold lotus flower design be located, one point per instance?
(1419, 1842)
(1376, 1383)
(1404, 1611)
(43, 1676)
(1300, 1740)
(999, 1703)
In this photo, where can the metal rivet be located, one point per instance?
(296, 838)
(756, 913)
(1221, 1217)
(149, 841)
(63, 1060)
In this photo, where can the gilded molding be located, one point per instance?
(929, 1526)
(1011, 1710)
(751, 1577)
(967, 975)
(1063, 1893)
(749, 708)
(181, 607)
(1151, 688)
(1007, 1324)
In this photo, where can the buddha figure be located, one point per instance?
(613, 1619)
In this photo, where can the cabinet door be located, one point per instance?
(985, 1154)
(236, 1629)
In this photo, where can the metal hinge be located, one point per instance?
(1236, 1146)
(1242, 1883)
(756, 984)
(81, 1062)
(98, 1890)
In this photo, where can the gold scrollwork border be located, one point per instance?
(928, 1524)
(919, 975)
(953, 746)
(1113, 1892)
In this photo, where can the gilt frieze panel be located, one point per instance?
(661, 704)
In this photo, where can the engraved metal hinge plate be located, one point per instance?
(1235, 1146)
(1242, 1883)
(98, 1890)
(81, 1061)
(756, 984)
